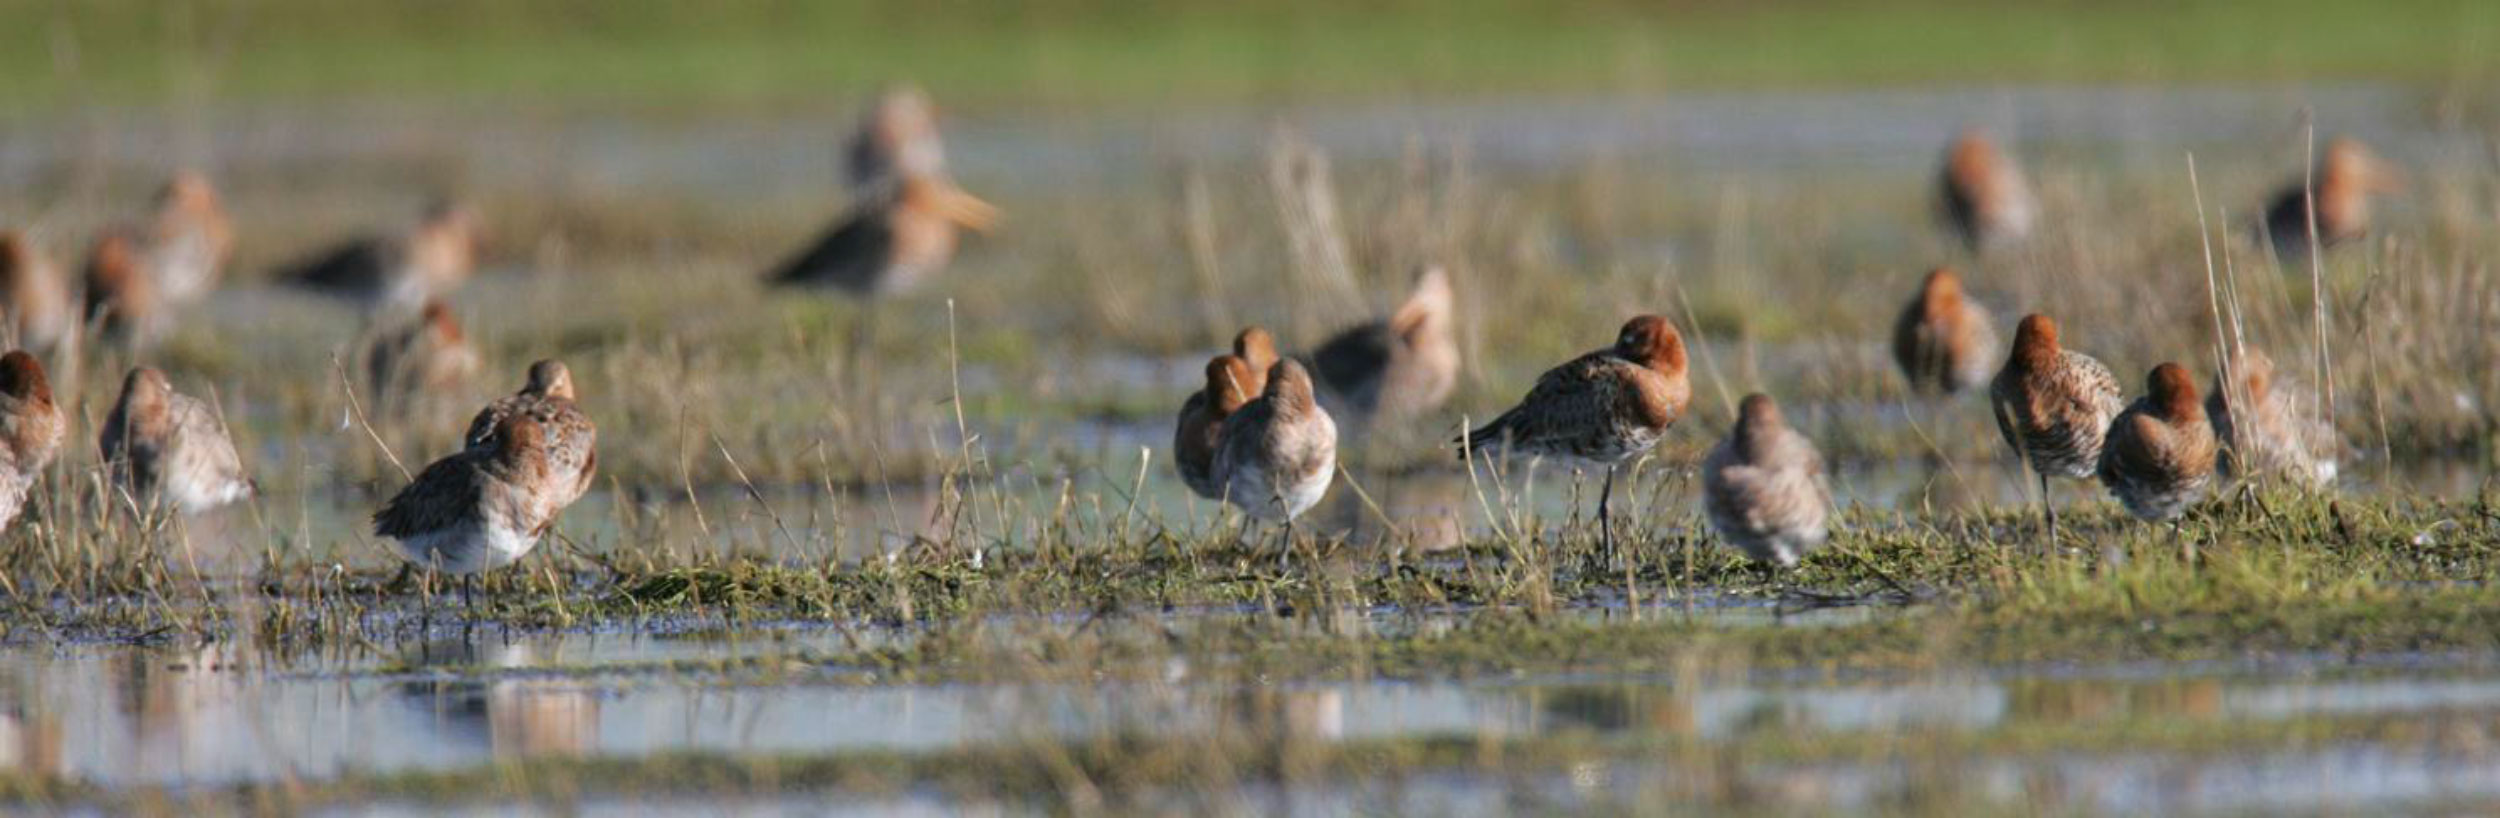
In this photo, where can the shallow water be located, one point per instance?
(125, 716)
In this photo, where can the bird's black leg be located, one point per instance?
(1605, 519)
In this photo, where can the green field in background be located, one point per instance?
(778, 53)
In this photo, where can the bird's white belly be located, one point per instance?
(470, 547)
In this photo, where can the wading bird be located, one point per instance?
(188, 241)
(2053, 406)
(2159, 457)
(37, 307)
(1277, 455)
(524, 459)
(164, 446)
(2279, 433)
(121, 300)
(1983, 194)
(889, 244)
(429, 355)
(1201, 423)
(482, 507)
(2345, 179)
(1764, 487)
(398, 273)
(1944, 341)
(31, 428)
(1602, 409)
(1233, 381)
(1399, 367)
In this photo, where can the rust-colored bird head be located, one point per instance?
(550, 378)
(2035, 343)
(936, 196)
(1758, 424)
(2174, 393)
(1941, 296)
(1257, 347)
(1230, 383)
(2350, 166)
(1289, 388)
(1973, 155)
(21, 377)
(439, 320)
(1652, 342)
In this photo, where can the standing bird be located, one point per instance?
(121, 298)
(1400, 367)
(2159, 458)
(395, 273)
(888, 244)
(897, 139)
(2053, 406)
(1201, 424)
(2279, 433)
(570, 439)
(1233, 381)
(425, 356)
(483, 507)
(1983, 194)
(1278, 454)
(1943, 339)
(36, 304)
(189, 239)
(1765, 489)
(1603, 408)
(2345, 179)
(31, 428)
(161, 445)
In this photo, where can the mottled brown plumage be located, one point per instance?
(1201, 423)
(2053, 406)
(121, 298)
(163, 446)
(2346, 179)
(31, 428)
(1983, 194)
(1399, 367)
(1277, 455)
(37, 309)
(890, 243)
(1764, 488)
(395, 273)
(897, 139)
(2280, 434)
(1603, 408)
(2159, 458)
(1943, 341)
(189, 239)
(570, 440)
(483, 507)
(429, 355)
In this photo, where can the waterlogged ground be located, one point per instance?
(952, 572)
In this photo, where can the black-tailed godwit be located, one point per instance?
(1603, 408)
(1764, 487)
(162, 445)
(2160, 453)
(2053, 406)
